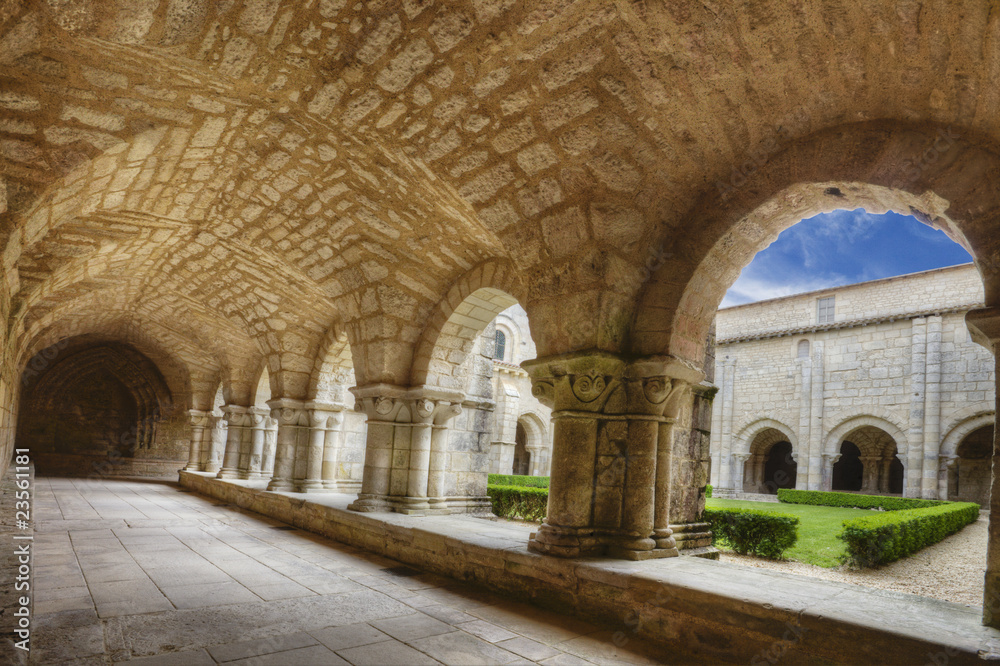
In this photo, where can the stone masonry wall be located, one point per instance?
(917, 376)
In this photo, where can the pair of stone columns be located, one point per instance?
(829, 460)
(236, 443)
(612, 417)
(310, 437)
(406, 451)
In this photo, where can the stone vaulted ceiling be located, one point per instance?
(238, 179)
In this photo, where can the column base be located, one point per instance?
(281, 484)
(692, 535)
(213, 468)
(312, 486)
(228, 474)
(192, 468)
(565, 542)
(370, 504)
(620, 553)
(331, 486)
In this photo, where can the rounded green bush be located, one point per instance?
(752, 532)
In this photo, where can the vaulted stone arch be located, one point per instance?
(747, 435)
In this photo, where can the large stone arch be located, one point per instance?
(957, 432)
(746, 435)
(851, 421)
(472, 303)
(333, 369)
(868, 170)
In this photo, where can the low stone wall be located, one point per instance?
(697, 609)
(69, 464)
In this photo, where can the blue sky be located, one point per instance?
(842, 247)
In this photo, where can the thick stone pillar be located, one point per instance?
(984, 325)
(324, 418)
(758, 473)
(728, 478)
(829, 460)
(198, 420)
(293, 424)
(399, 446)
(252, 468)
(534, 462)
(218, 434)
(237, 422)
(739, 464)
(804, 387)
(610, 487)
(883, 480)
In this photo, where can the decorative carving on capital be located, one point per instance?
(423, 404)
(259, 417)
(198, 418)
(609, 383)
(947, 461)
(831, 458)
(288, 412)
(236, 416)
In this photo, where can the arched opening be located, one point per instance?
(771, 464)
(848, 472)
(500, 345)
(96, 408)
(969, 475)
(522, 458)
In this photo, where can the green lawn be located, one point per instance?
(818, 528)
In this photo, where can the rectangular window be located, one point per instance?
(824, 310)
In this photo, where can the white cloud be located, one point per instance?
(749, 289)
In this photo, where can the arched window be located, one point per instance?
(803, 349)
(500, 347)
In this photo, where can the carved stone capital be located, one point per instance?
(289, 412)
(611, 383)
(741, 457)
(831, 458)
(258, 417)
(424, 404)
(235, 415)
(198, 418)
(325, 415)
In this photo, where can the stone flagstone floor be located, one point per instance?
(146, 573)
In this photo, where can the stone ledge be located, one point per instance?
(697, 609)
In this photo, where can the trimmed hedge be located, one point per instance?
(708, 490)
(852, 501)
(886, 537)
(520, 481)
(753, 532)
(519, 502)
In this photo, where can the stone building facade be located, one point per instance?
(874, 387)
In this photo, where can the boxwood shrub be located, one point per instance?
(520, 481)
(519, 502)
(852, 501)
(885, 537)
(708, 490)
(752, 532)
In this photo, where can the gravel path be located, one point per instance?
(951, 570)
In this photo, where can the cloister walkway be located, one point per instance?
(146, 573)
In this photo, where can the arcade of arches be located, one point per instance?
(346, 196)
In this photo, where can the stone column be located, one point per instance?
(399, 445)
(758, 473)
(806, 395)
(218, 434)
(258, 418)
(436, 494)
(883, 482)
(198, 420)
(293, 422)
(829, 460)
(946, 466)
(984, 324)
(739, 464)
(270, 443)
(323, 418)
(237, 419)
(869, 483)
(610, 487)
(535, 453)
(333, 442)
(727, 477)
